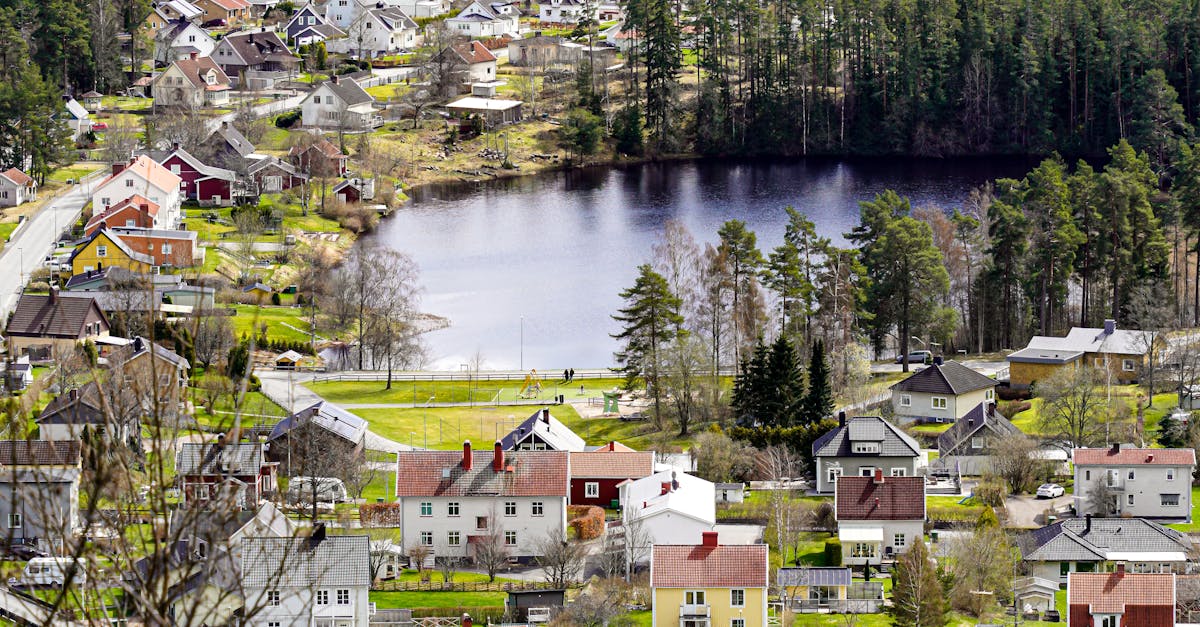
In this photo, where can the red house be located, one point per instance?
(1120, 599)
(206, 184)
(270, 175)
(166, 248)
(212, 471)
(136, 211)
(596, 475)
(321, 158)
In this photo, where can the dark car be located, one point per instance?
(214, 23)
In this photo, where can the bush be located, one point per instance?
(953, 514)
(480, 615)
(991, 492)
(275, 299)
(833, 552)
(1012, 408)
(379, 514)
(287, 120)
(586, 520)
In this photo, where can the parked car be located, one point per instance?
(916, 357)
(1050, 490)
(52, 571)
(99, 126)
(329, 489)
(214, 23)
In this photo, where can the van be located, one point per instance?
(329, 489)
(52, 571)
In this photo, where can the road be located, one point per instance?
(985, 367)
(1025, 510)
(31, 243)
(260, 111)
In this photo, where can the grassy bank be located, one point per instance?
(463, 391)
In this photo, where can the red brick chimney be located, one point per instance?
(53, 295)
(878, 475)
(118, 168)
(1120, 569)
(546, 415)
(466, 461)
(666, 487)
(193, 55)
(334, 79)
(498, 457)
(709, 538)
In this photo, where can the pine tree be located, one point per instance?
(818, 402)
(918, 599)
(650, 319)
(783, 385)
(749, 387)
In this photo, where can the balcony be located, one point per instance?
(693, 610)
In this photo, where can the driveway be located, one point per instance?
(986, 367)
(1025, 511)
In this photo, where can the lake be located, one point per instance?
(528, 270)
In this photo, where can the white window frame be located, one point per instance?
(899, 540)
(693, 597)
(510, 508)
(976, 442)
(343, 596)
(989, 394)
(737, 597)
(426, 509)
(1128, 365)
(737, 622)
(14, 521)
(426, 538)
(101, 250)
(866, 471)
(453, 538)
(591, 490)
(322, 597)
(510, 538)
(938, 402)
(863, 549)
(1106, 620)
(453, 508)
(273, 597)
(1170, 474)
(899, 472)
(832, 474)
(537, 508)
(1130, 500)
(1162, 500)
(906, 400)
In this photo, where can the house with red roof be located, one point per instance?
(137, 211)
(1120, 599)
(596, 476)
(145, 177)
(709, 584)
(455, 503)
(476, 62)
(232, 11)
(878, 517)
(320, 158)
(16, 188)
(1139, 482)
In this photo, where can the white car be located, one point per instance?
(1050, 490)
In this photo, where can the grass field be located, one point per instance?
(448, 600)
(420, 392)
(256, 409)
(1195, 524)
(250, 318)
(1027, 420)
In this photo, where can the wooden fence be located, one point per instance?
(466, 586)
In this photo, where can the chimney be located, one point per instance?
(466, 461)
(1110, 325)
(1120, 569)
(666, 487)
(117, 168)
(174, 145)
(546, 415)
(53, 295)
(970, 422)
(318, 535)
(841, 418)
(144, 207)
(1087, 524)
(1150, 458)
(1116, 448)
(73, 394)
(878, 476)
(334, 79)
(498, 458)
(709, 539)
(466, 620)
(193, 55)
(937, 361)
(225, 124)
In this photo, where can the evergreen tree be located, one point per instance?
(743, 259)
(650, 319)
(750, 389)
(784, 385)
(627, 130)
(918, 599)
(818, 401)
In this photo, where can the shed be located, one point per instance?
(493, 110)
(518, 602)
(730, 493)
(288, 360)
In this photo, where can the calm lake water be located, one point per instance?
(545, 256)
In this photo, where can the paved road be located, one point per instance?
(31, 243)
(1024, 510)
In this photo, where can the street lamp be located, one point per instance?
(411, 435)
(522, 358)
(21, 251)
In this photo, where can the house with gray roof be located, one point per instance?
(542, 432)
(1122, 353)
(317, 579)
(861, 445)
(309, 26)
(47, 326)
(227, 145)
(223, 473)
(969, 443)
(39, 491)
(255, 60)
(71, 413)
(339, 103)
(828, 589)
(943, 392)
(1091, 544)
(322, 427)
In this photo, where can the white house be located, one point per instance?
(77, 117)
(478, 61)
(879, 516)
(943, 392)
(423, 8)
(481, 20)
(451, 502)
(16, 188)
(179, 39)
(339, 103)
(143, 176)
(671, 507)
(308, 26)
(1091, 544)
(564, 11)
(308, 580)
(192, 82)
(970, 443)
(377, 31)
(860, 446)
(1142, 482)
(542, 432)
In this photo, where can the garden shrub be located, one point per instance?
(1012, 408)
(586, 520)
(379, 514)
(833, 552)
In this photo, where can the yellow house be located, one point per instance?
(1122, 352)
(105, 250)
(709, 585)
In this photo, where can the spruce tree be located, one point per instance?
(818, 402)
(783, 385)
(918, 599)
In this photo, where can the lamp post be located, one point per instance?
(522, 354)
(21, 252)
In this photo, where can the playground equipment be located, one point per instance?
(532, 387)
(610, 402)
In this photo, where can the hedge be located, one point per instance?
(833, 552)
(379, 514)
(586, 520)
(954, 514)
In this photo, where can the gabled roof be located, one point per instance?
(258, 165)
(77, 406)
(1110, 593)
(137, 201)
(289, 356)
(822, 576)
(548, 429)
(612, 447)
(195, 70)
(141, 346)
(893, 442)
(349, 92)
(611, 465)
(76, 110)
(1072, 540)
(1047, 349)
(204, 169)
(984, 417)
(39, 453)
(1134, 457)
(17, 177)
(214, 458)
(441, 473)
(133, 232)
(323, 146)
(228, 135)
(38, 315)
(324, 29)
(322, 561)
(950, 377)
(699, 566)
(116, 241)
(327, 416)
(393, 18)
(184, 8)
(473, 52)
(892, 498)
(258, 48)
(670, 491)
(231, 5)
(151, 171)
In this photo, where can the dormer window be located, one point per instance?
(211, 78)
(1107, 620)
(866, 447)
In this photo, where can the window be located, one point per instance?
(737, 598)
(989, 395)
(510, 508)
(453, 538)
(166, 249)
(737, 622)
(938, 402)
(976, 442)
(322, 597)
(343, 596)
(899, 472)
(1128, 365)
(866, 447)
(174, 168)
(101, 250)
(693, 597)
(1087, 475)
(862, 549)
(1098, 362)
(272, 597)
(128, 182)
(906, 400)
(1107, 620)
(202, 492)
(481, 522)
(1170, 474)
(14, 521)
(427, 538)
(1131, 475)
(1130, 499)
(150, 248)
(832, 475)
(899, 541)
(591, 490)
(316, 100)
(129, 223)
(866, 471)
(104, 201)
(426, 508)
(273, 623)
(510, 538)
(538, 508)
(452, 509)
(1169, 500)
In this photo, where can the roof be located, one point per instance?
(825, 576)
(231, 5)
(611, 465)
(1084, 340)
(950, 377)
(349, 92)
(296, 563)
(40, 315)
(39, 453)
(1135, 457)
(261, 164)
(670, 491)
(227, 134)
(440, 473)
(214, 458)
(476, 103)
(324, 29)
(291, 356)
(194, 69)
(698, 566)
(1072, 540)
(76, 110)
(1109, 593)
(257, 48)
(329, 417)
(612, 447)
(259, 286)
(893, 441)
(122, 231)
(394, 18)
(137, 201)
(141, 346)
(17, 177)
(548, 429)
(200, 166)
(983, 416)
(894, 498)
(79, 406)
(184, 8)
(324, 146)
(111, 236)
(473, 52)
(149, 170)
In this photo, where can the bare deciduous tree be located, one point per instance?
(561, 560)
(1015, 460)
(1073, 409)
(982, 564)
(491, 554)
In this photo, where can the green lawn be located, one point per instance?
(274, 138)
(462, 391)
(75, 172)
(1027, 420)
(250, 318)
(1193, 526)
(381, 487)
(256, 409)
(449, 600)
(6, 229)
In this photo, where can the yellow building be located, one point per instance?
(105, 250)
(709, 585)
(1122, 352)
(828, 589)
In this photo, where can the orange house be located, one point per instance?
(135, 211)
(232, 11)
(166, 248)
